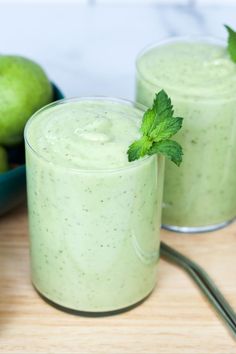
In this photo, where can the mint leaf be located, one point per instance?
(162, 106)
(158, 126)
(139, 148)
(169, 148)
(161, 109)
(147, 123)
(166, 128)
(231, 43)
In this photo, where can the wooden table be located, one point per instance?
(176, 318)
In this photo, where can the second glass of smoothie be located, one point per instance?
(200, 77)
(94, 217)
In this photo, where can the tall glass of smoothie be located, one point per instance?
(94, 217)
(201, 80)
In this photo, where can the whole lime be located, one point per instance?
(3, 160)
(24, 88)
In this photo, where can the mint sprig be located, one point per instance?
(158, 126)
(231, 43)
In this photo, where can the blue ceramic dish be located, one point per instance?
(13, 182)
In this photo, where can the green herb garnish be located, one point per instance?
(231, 43)
(158, 126)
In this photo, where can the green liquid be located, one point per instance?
(201, 80)
(94, 217)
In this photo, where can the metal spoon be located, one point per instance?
(204, 282)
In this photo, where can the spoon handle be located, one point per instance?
(204, 282)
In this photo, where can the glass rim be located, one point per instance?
(79, 170)
(173, 39)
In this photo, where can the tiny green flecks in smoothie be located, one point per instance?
(231, 43)
(158, 126)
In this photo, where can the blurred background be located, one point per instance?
(88, 47)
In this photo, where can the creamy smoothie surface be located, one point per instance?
(86, 134)
(191, 68)
(94, 217)
(200, 78)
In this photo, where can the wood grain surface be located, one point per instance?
(176, 318)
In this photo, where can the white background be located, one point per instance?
(90, 48)
(124, 2)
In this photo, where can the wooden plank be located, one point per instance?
(174, 319)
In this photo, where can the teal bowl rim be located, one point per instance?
(11, 172)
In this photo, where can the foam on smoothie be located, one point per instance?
(86, 134)
(191, 68)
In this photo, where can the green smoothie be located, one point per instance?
(201, 80)
(94, 216)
